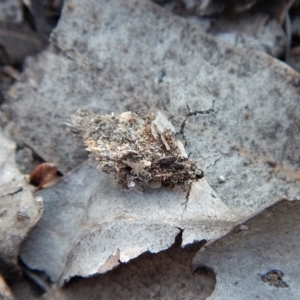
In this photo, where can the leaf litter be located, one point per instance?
(249, 191)
(101, 226)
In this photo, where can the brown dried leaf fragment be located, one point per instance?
(138, 148)
(44, 175)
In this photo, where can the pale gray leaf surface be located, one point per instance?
(244, 105)
(9, 170)
(19, 210)
(267, 242)
(88, 221)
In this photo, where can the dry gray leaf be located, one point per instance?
(237, 111)
(89, 226)
(236, 24)
(19, 210)
(266, 35)
(222, 86)
(260, 258)
(165, 275)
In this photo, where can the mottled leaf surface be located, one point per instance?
(267, 243)
(237, 112)
(19, 210)
(89, 226)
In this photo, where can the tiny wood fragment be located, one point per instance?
(138, 148)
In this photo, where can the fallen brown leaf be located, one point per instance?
(44, 175)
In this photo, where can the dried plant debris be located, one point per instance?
(138, 148)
